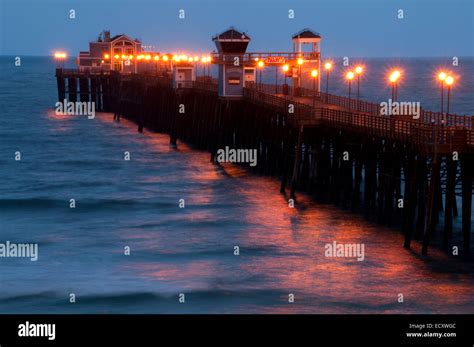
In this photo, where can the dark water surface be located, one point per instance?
(135, 203)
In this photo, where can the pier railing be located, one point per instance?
(442, 137)
(361, 106)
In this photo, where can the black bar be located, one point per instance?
(324, 330)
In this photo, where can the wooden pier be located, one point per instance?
(398, 171)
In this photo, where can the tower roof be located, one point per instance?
(231, 41)
(306, 34)
(231, 34)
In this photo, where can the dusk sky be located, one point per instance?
(366, 28)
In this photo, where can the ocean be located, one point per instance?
(134, 205)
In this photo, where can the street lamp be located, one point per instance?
(394, 76)
(60, 57)
(358, 71)
(314, 75)
(327, 67)
(441, 77)
(350, 77)
(203, 61)
(300, 62)
(260, 65)
(209, 61)
(449, 82)
(285, 69)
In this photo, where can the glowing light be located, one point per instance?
(156, 58)
(394, 76)
(256, 59)
(449, 80)
(314, 73)
(102, 61)
(286, 68)
(147, 57)
(116, 56)
(106, 56)
(175, 58)
(328, 66)
(260, 64)
(130, 56)
(442, 76)
(196, 58)
(350, 75)
(60, 55)
(165, 58)
(300, 61)
(190, 59)
(124, 56)
(358, 70)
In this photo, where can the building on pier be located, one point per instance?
(110, 53)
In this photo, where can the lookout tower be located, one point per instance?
(231, 46)
(311, 61)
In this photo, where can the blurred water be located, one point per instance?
(175, 250)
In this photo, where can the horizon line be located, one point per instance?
(350, 56)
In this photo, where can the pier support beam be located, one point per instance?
(286, 162)
(296, 167)
(466, 178)
(61, 85)
(84, 89)
(450, 196)
(411, 173)
(432, 210)
(72, 88)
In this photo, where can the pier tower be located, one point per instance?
(311, 58)
(231, 46)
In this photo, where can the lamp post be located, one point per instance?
(260, 65)
(358, 71)
(314, 75)
(276, 79)
(203, 62)
(209, 61)
(106, 60)
(449, 82)
(394, 76)
(327, 67)
(285, 69)
(350, 77)
(300, 62)
(60, 57)
(441, 77)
